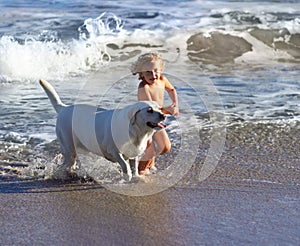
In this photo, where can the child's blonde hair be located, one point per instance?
(137, 67)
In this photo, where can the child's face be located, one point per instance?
(151, 71)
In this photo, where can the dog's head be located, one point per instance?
(148, 113)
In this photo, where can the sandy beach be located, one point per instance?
(53, 213)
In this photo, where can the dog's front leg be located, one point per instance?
(135, 164)
(125, 167)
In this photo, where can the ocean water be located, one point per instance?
(235, 65)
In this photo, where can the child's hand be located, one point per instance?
(172, 110)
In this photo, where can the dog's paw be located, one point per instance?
(63, 173)
(127, 177)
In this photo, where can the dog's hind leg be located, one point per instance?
(69, 152)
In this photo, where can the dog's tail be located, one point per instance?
(53, 96)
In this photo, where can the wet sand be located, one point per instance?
(54, 213)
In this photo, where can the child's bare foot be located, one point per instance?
(153, 168)
(152, 164)
(145, 172)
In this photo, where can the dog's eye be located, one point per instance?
(150, 110)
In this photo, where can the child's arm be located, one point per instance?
(173, 108)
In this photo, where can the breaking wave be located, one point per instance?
(243, 38)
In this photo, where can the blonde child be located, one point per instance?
(153, 84)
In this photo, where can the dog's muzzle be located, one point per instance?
(158, 125)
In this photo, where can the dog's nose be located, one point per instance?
(162, 116)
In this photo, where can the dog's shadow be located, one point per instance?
(46, 186)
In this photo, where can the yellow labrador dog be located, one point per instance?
(119, 135)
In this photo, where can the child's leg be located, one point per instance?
(161, 144)
(147, 159)
(162, 141)
(152, 164)
(144, 167)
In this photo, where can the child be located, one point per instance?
(153, 84)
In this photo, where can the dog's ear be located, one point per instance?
(133, 118)
(134, 110)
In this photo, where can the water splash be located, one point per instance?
(105, 24)
(46, 55)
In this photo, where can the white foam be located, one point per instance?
(48, 56)
(47, 136)
(56, 60)
(260, 51)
